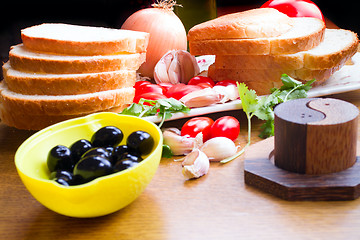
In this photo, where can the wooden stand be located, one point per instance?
(313, 153)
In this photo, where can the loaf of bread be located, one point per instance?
(306, 51)
(83, 40)
(64, 71)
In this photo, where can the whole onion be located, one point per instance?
(167, 32)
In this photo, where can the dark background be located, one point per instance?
(112, 13)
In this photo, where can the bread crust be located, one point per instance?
(66, 84)
(64, 105)
(44, 43)
(255, 23)
(27, 61)
(24, 121)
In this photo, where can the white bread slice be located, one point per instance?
(255, 23)
(66, 84)
(305, 34)
(64, 104)
(21, 120)
(25, 60)
(83, 40)
(337, 47)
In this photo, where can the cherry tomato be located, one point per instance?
(226, 126)
(201, 79)
(166, 86)
(204, 85)
(179, 90)
(295, 8)
(140, 83)
(226, 83)
(148, 96)
(147, 88)
(196, 125)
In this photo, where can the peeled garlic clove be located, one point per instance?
(202, 98)
(180, 67)
(229, 92)
(219, 148)
(195, 165)
(179, 145)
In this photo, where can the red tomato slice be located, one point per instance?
(196, 125)
(296, 8)
(226, 126)
(166, 86)
(140, 83)
(148, 96)
(179, 90)
(201, 79)
(226, 83)
(147, 88)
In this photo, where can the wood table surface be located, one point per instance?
(216, 206)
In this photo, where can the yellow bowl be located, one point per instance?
(101, 196)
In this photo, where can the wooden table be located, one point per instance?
(216, 206)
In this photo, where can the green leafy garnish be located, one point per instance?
(164, 108)
(263, 107)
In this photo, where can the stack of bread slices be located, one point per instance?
(258, 46)
(63, 71)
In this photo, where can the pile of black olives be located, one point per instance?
(86, 160)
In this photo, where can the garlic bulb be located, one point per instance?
(176, 66)
(195, 165)
(219, 148)
(202, 98)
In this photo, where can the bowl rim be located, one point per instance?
(89, 118)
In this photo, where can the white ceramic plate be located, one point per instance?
(345, 80)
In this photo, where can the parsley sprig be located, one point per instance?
(263, 107)
(164, 108)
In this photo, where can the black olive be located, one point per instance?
(102, 152)
(91, 167)
(59, 158)
(66, 175)
(78, 148)
(107, 136)
(140, 141)
(121, 151)
(124, 164)
(62, 181)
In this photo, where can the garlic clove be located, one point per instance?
(229, 92)
(195, 165)
(202, 98)
(176, 66)
(219, 148)
(179, 145)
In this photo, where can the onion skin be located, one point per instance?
(167, 32)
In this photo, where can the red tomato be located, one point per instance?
(147, 88)
(296, 8)
(166, 86)
(226, 126)
(226, 83)
(204, 85)
(140, 83)
(201, 79)
(148, 96)
(196, 125)
(179, 90)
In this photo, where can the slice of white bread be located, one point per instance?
(255, 23)
(64, 104)
(305, 34)
(83, 40)
(336, 48)
(36, 122)
(66, 84)
(25, 60)
(262, 80)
